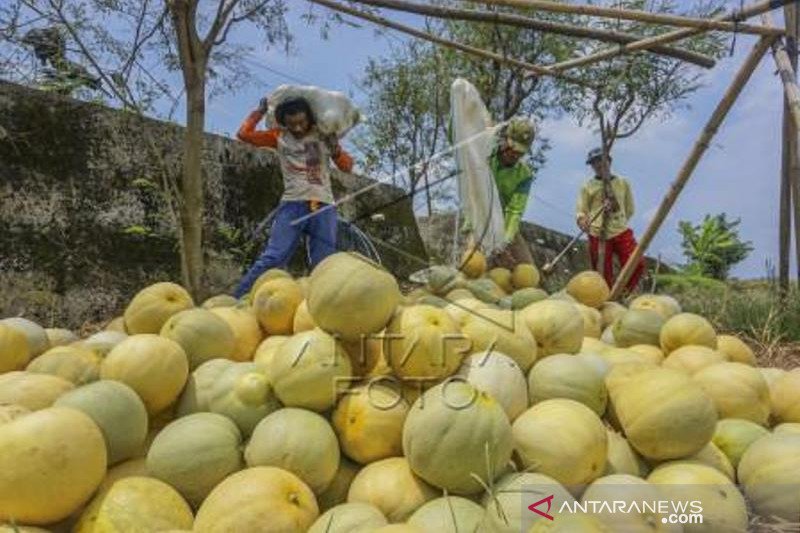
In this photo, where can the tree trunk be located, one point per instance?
(192, 267)
(784, 217)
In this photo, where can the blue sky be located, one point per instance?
(738, 175)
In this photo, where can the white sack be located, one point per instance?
(474, 138)
(334, 111)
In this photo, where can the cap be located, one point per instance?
(519, 134)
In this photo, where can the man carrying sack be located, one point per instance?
(604, 210)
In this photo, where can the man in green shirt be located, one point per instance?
(514, 178)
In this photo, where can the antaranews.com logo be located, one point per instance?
(674, 512)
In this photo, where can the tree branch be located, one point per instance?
(235, 20)
(223, 13)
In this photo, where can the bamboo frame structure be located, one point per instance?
(701, 145)
(764, 6)
(478, 52)
(770, 39)
(789, 203)
(535, 24)
(634, 15)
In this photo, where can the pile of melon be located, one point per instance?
(334, 403)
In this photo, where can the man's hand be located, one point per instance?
(263, 106)
(583, 222)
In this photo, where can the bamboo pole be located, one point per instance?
(535, 24)
(635, 15)
(787, 69)
(764, 6)
(793, 32)
(477, 52)
(700, 147)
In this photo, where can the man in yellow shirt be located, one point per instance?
(618, 207)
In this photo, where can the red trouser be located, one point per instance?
(622, 246)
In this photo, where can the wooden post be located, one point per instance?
(668, 37)
(786, 60)
(477, 52)
(509, 19)
(792, 32)
(633, 14)
(700, 146)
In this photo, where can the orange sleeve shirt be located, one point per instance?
(269, 139)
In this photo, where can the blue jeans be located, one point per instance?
(284, 238)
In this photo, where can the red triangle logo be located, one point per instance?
(548, 501)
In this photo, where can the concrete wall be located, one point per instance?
(84, 221)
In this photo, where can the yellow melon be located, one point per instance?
(737, 390)
(10, 411)
(691, 359)
(455, 432)
(473, 263)
(118, 412)
(220, 300)
(349, 517)
(568, 377)
(391, 486)
(686, 329)
(611, 311)
(621, 458)
(60, 337)
(52, 462)
(266, 499)
(309, 370)
(562, 439)
(502, 277)
(733, 436)
(202, 334)
(298, 441)
(267, 349)
(631, 491)
(136, 504)
(336, 493)
(36, 334)
(769, 472)
(664, 414)
(664, 305)
(14, 349)
(652, 353)
(557, 326)
(589, 288)
(152, 306)
(785, 397)
(366, 356)
(525, 275)
(592, 321)
(449, 514)
(155, 367)
(369, 423)
(269, 275)
(275, 304)
(302, 319)
(247, 334)
(351, 296)
(73, 363)
(195, 453)
(500, 331)
(721, 504)
(423, 341)
(32, 391)
(736, 350)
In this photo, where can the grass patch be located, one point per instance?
(752, 309)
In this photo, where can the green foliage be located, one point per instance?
(713, 246)
(751, 309)
(137, 230)
(636, 88)
(409, 92)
